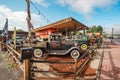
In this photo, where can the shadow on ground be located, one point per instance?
(107, 44)
(112, 74)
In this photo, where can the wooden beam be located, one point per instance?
(27, 67)
(53, 62)
(13, 50)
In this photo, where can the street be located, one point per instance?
(110, 66)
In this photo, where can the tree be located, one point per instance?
(95, 29)
(19, 30)
(100, 29)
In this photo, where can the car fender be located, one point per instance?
(72, 48)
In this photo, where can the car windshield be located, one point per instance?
(55, 37)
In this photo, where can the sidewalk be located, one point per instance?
(111, 62)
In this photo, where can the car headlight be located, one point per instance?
(83, 46)
(76, 43)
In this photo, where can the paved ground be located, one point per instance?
(111, 62)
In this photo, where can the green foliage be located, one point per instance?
(10, 64)
(78, 33)
(19, 30)
(95, 29)
(100, 29)
(4, 57)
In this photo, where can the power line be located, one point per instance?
(39, 12)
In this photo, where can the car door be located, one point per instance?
(67, 44)
(55, 43)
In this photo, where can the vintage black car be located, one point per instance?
(19, 43)
(81, 39)
(58, 46)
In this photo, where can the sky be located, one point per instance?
(88, 12)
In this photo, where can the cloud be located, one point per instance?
(17, 18)
(116, 29)
(86, 7)
(43, 3)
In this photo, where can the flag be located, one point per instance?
(5, 29)
(15, 37)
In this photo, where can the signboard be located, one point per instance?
(26, 53)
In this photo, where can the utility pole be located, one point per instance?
(29, 23)
(112, 35)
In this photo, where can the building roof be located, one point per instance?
(12, 32)
(69, 23)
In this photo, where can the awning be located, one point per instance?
(68, 24)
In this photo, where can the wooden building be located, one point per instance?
(19, 34)
(64, 27)
(3, 40)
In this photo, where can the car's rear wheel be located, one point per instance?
(75, 53)
(38, 53)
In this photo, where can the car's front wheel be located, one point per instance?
(75, 53)
(38, 53)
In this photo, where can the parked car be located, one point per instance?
(58, 46)
(81, 39)
(19, 43)
(111, 37)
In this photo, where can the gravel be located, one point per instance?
(8, 69)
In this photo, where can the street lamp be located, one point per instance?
(112, 35)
